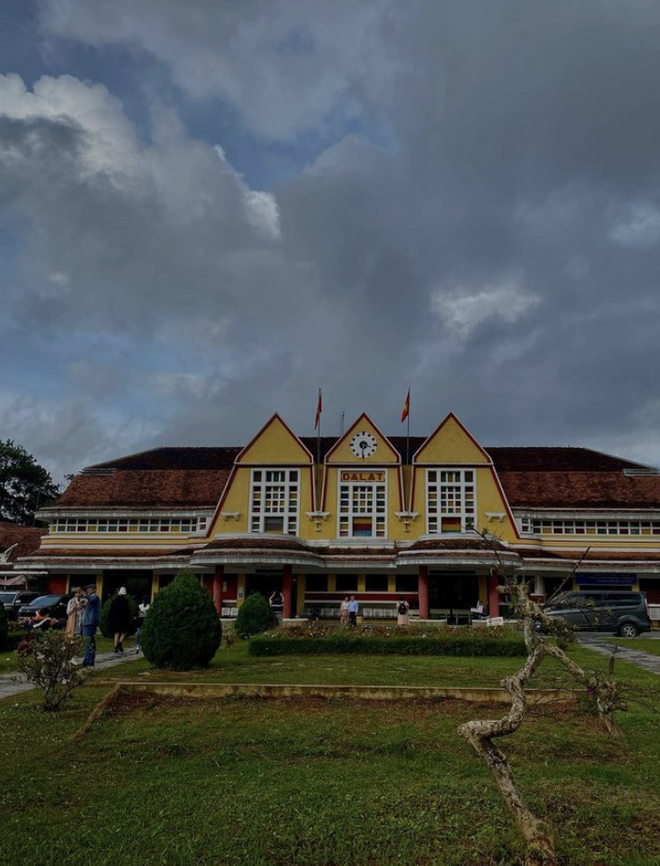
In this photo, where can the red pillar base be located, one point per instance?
(218, 579)
(493, 595)
(423, 590)
(286, 591)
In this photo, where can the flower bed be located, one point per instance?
(384, 640)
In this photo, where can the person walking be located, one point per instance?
(91, 618)
(142, 612)
(352, 611)
(74, 611)
(402, 611)
(119, 619)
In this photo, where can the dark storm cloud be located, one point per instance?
(484, 226)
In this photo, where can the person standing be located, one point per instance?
(276, 603)
(91, 618)
(119, 618)
(402, 611)
(142, 612)
(343, 612)
(352, 611)
(74, 612)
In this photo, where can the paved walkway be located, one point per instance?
(597, 642)
(8, 686)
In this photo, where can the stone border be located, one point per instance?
(369, 693)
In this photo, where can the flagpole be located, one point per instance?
(408, 430)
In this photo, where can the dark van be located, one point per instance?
(624, 613)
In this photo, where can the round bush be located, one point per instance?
(254, 616)
(4, 626)
(106, 631)
(182, 630)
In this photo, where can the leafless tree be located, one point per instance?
(607, 693)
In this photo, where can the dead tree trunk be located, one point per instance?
(536, 833)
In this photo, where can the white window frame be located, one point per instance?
(434, 520)
(375, 487)
(589, 527)
(258, 516)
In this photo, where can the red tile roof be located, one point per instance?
(580, 489)
(146, 488)
(109, 552)
(27, 539)
(196, 477)
(256, 541)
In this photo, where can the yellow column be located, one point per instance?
(332, 583)
(391, 583)
(483, 589)
(362, 583)
(155, 585)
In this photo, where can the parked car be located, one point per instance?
(14, 599)
(54, 605)
(624, 613)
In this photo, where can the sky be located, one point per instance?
(210, 209)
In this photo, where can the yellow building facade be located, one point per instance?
(362, 514)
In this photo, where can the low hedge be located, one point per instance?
(450, 644)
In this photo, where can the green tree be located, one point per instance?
(254, 616)
(182, 630)
(24, 484)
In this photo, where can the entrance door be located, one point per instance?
(452, 594)
(265, 583)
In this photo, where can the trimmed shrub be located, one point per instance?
(439, 643)
(254, 616)
(4, 627)
(106, 631)
(182, 630)
(48, 659)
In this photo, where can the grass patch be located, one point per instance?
(303, 782)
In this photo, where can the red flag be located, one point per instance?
(319, 409)
(406, 408)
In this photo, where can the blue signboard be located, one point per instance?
(593, 578)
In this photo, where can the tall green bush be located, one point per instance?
(105, 613)
(4, 627)
(182, 630)
(254, 616)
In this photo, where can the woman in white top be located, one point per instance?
(74, 611)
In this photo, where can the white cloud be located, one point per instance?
(639, 227)
(286, 67)
(463, 309)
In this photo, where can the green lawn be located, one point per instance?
(308, 782)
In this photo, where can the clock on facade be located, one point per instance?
(363, 445)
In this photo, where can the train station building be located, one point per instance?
(363, 514)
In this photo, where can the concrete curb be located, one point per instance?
(368, 693)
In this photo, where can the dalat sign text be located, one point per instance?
(362, 476)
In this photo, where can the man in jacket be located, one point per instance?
(91, 617)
